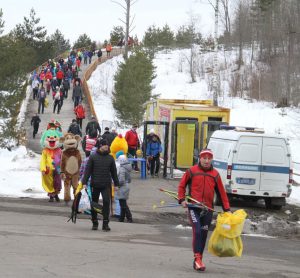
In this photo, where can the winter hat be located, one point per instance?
(122, 158)
(102, 142)
(107, 128)
(152, 130)
(119, 153)
(206, 152)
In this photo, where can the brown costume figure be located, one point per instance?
(70, 163)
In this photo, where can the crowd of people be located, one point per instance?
(99, 170)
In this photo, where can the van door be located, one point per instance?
(246, 163)
(275, 165)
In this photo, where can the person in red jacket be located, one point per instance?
(80, 113)
(133, 143)
(59, 76)
(204, 181)
(48, 75)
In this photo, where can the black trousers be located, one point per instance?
(56, 104)
(79, 121)
(154, 164)
(106, 197)
(125, 211)
(35, 130)
(41, 104)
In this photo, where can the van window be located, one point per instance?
(221, 149)
(248, 153)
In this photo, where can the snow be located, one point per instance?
(172, 81)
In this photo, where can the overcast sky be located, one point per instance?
(97, 17)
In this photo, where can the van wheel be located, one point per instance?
(268, 203)
(217, 201)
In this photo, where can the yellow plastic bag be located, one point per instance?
(46, 102)
(231, 225)
(225, 240)
(221, 246)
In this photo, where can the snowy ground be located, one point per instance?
(172, 81)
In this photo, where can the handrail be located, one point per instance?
(88, 73)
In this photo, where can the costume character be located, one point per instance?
(118, 144)
(50, 163)
(70, 163)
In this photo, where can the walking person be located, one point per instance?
(80, 113)
(74, 128)
(89, 142)
(101, 168)
(41, 98)
(108, 50)
(66, 86)
(133, 144)
(153, 153)
(92, 126)
(109, 136)
(56, 99)
(35, 122)
(77, 94)
(99, 55)
(203, 180)
(35, 87)
(122, 192)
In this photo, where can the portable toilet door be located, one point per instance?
(184, 143)
(246, 164)
(275, 165)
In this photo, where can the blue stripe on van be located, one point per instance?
(252, 168)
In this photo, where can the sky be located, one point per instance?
(97, 17)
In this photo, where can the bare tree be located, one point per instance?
(126, 6)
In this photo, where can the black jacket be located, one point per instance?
(101, 167)
(93, 125)
(109, 137)
(35, 121)
(75, 129)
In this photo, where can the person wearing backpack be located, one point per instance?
(66, 86)
(77, 94)
(74, 128)
(41, 98)
(203, 181)
(80, 113)
(92, 126)
(122, 191)
(89, 142)
(56, 100)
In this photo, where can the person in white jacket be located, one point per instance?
(122, 192)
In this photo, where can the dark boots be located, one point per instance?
(105, 226)
(95, 225)
(57, 198)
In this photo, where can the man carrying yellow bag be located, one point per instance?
(203, 181)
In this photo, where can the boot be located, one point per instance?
(51, 200)
(198, 264)
(57, 198)
(105, 226)
(122, 215)
(128, 215)
(95, 225)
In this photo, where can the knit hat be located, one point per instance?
(119, 153)
(103, 142)
(152, 130)
(107, 128)
(206, 152)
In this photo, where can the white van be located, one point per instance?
(253, 165)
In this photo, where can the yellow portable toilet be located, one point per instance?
(192, 123)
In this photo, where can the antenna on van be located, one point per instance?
(242, 128)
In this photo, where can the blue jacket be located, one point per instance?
(153, 148)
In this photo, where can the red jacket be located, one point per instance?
(132, 139)
(203, 185)
(79, 111)
(59, 75)
(48, 75)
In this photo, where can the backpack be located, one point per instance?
(57, 96)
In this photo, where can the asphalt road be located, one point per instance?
(37, 241)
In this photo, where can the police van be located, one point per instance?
(253, 165)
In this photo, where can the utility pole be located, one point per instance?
(215, 58)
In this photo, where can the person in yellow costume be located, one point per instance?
(50, 163)
(118, 144)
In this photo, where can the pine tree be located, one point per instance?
(166, 36)
(116, 35)
(83, 41)
(59, 42)
(133, 87)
